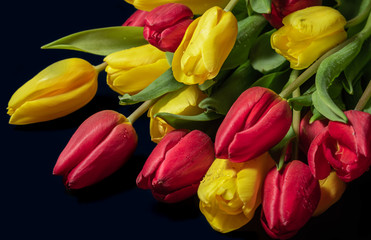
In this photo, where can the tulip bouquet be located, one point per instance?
(254, 105)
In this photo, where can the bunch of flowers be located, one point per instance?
(251, 103)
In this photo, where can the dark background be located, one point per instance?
(35, 204)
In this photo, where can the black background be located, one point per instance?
(35, 204)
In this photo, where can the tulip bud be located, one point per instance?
(307, 34)
(99, 147)
(282, 8)
(165, 26)
(230, 192)
(182, 102)
(136, 19)
(205, 46)
(257, 121)
(332, 188)
(131, 70)
(176, 165)
(56, 91)
(344, 147)
(290, 197)
(308, 131)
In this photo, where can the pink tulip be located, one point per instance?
(257, 121)
(308, 131)
(289, 198)
(344, 147)
(99, 147)
(165, 26)
(137, 19)
(282, 8)
(177, 165)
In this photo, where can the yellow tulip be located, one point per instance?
(332, 188)
(182, 102)
(205, 46)
(230, 192)
(132, 70)
(197, 6)
(307, 34)
(56, 91)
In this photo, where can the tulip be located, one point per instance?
(56, 91)
(176, 166)
(282, 8)
(307, 34)
(205, 46)
(198, 7)
(165, 26)
(182, 102)
(136, 19)
(257, 121)
(332, 188)
(308, 131)
(345, 147)
(230, 192)
(99, 147)
(290, 197)
(131, 70)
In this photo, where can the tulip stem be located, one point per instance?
(295, 118)
(364, 98)
(230, 5)
(100, 67)
(140, 110)
(309, 72)
(360, 17)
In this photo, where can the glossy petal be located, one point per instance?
(137, 19)
(57, 91)
(289, 199)
(257, 121)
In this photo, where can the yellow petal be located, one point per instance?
(136, 79)
(332, 188)
(56, 91)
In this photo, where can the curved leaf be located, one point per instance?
(101, 41)
(330, 69)
(261, 6)
(162, 85)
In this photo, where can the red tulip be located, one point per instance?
(99, 147)
(289, 198)
(257, 121)
(177, 165)
(165, 26)
(308, 131)
(137, 19)
(344, 147)
(282, 8)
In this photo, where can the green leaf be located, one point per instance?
(355, 69)
(261, 6)
(101, 41)
(248, 30)
(274, 81)
(225, 94)
(330, 69)
(169, 57)
(263, 57)
(299, 102)
(207, 122)
(240, 10)
(162, 85)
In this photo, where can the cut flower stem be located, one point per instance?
(141, 110)
(230, 5)
(364, 98)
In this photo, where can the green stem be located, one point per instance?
(230, 5)
(366, 31)
(360, 17)
(309, 72)
(364, 98)
(101, 67)
(295, 116)
(141, 110)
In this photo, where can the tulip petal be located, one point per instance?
(105, 159)
(317, 161)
